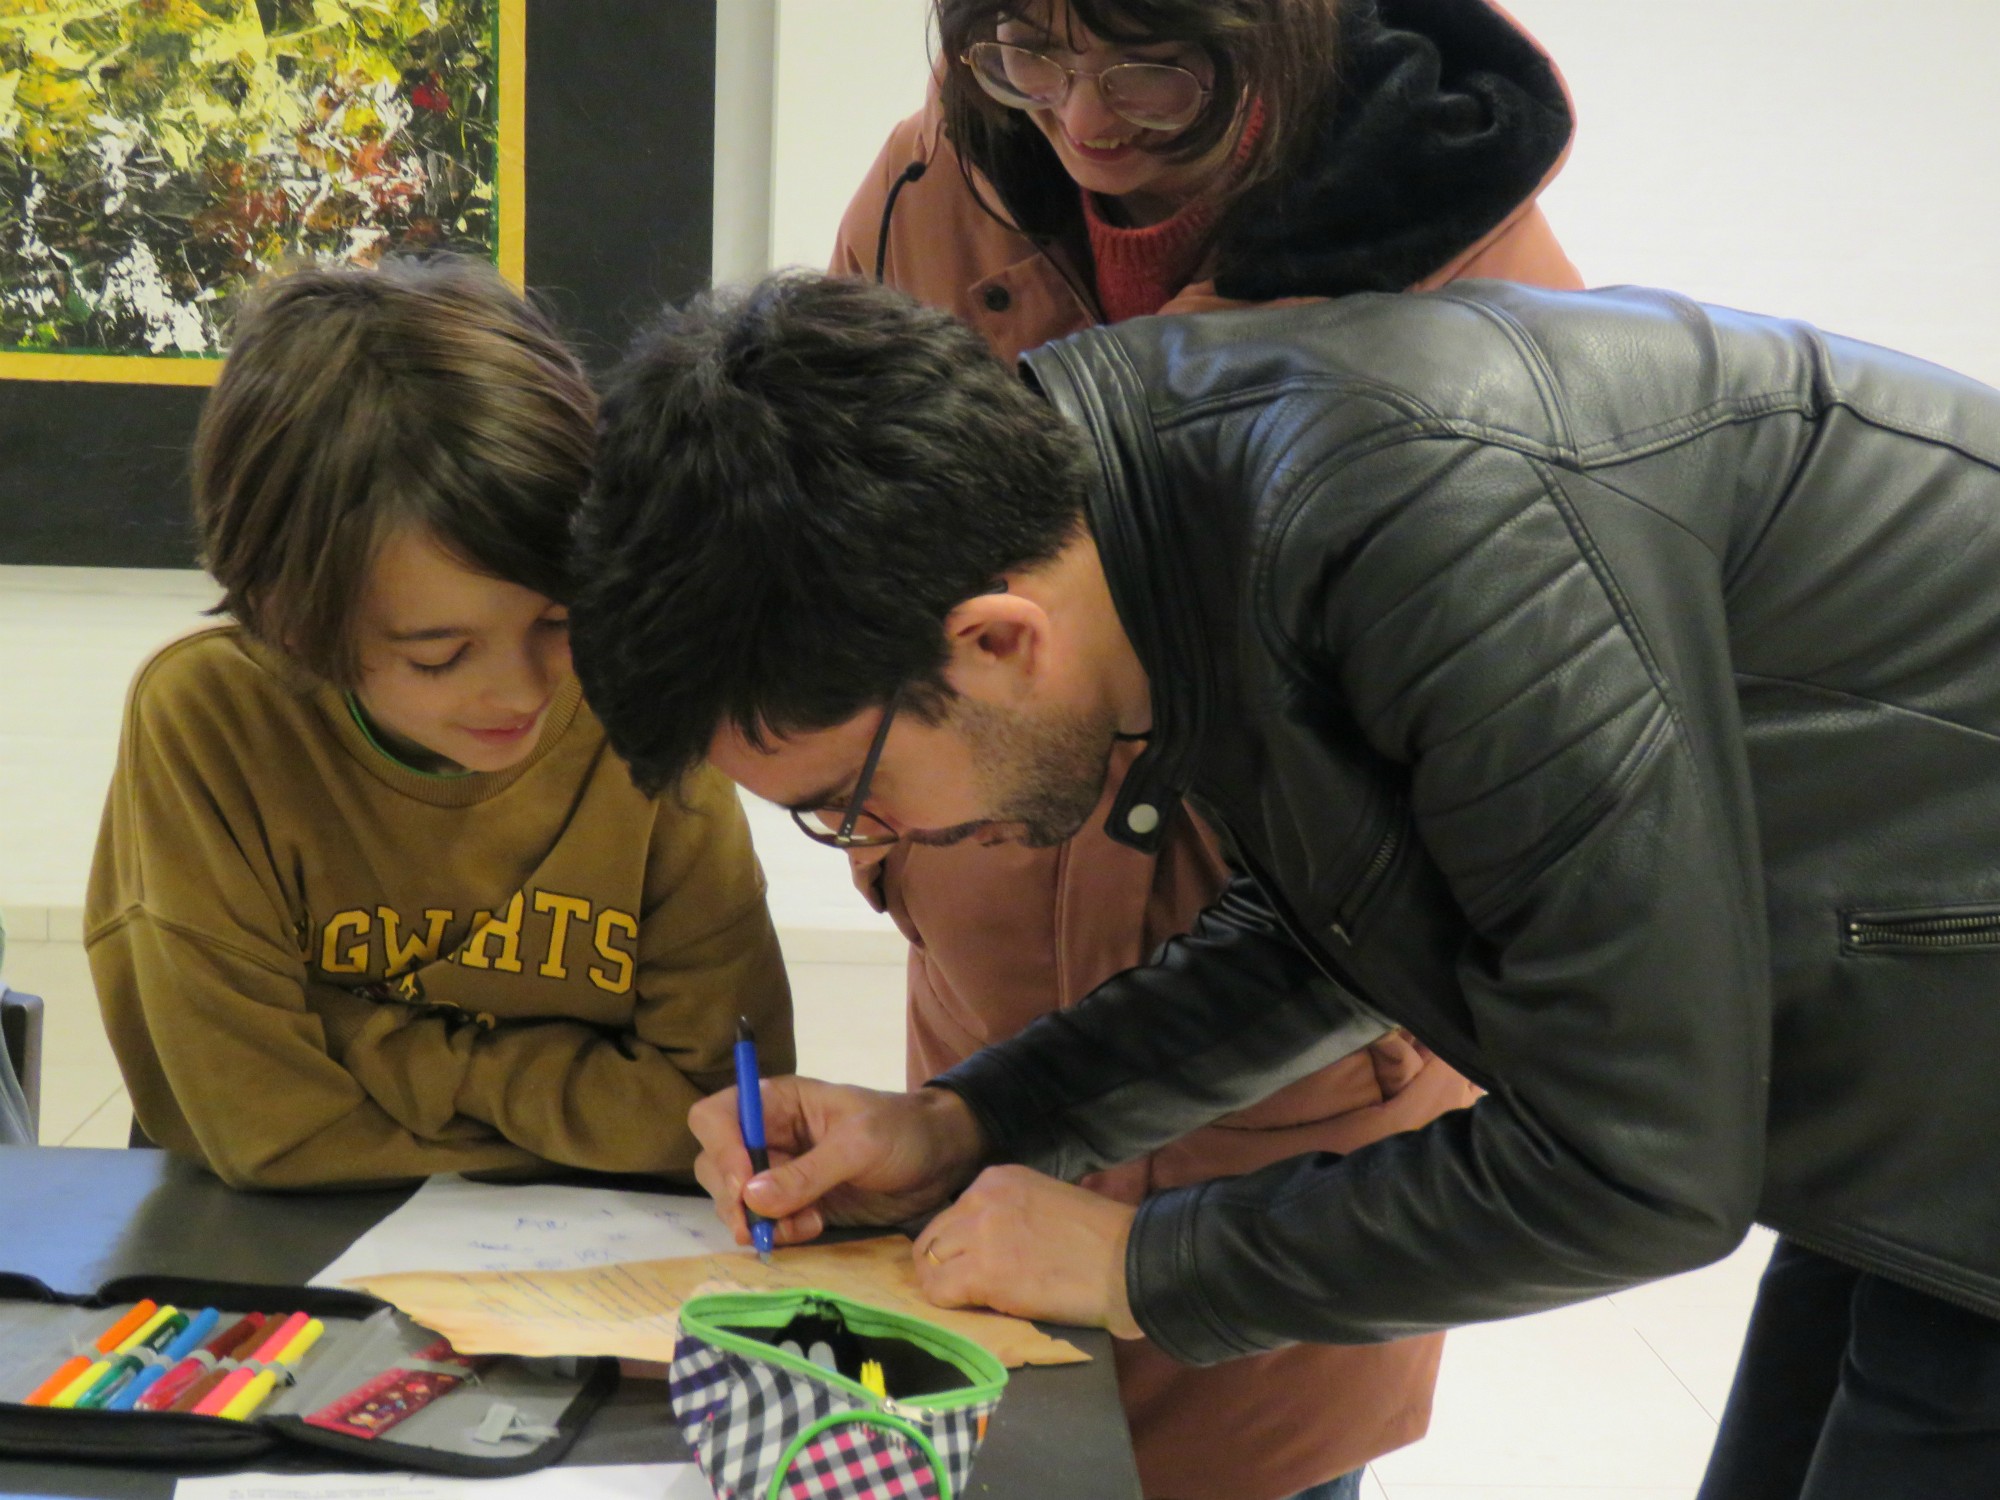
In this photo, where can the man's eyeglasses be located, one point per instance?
(850, 827)
(1153, 96)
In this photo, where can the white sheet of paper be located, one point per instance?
(450, 1224)
(612, 1482)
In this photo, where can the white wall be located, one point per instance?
(746, 34)
(1826, 159)
(847, 70)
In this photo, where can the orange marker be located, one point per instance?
(126, 1326)
(47, 1391)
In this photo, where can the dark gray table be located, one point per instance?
(74, 1219)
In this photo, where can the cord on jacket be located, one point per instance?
(909, 175)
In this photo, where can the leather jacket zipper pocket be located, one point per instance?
(1956, 929)
(1371, 876)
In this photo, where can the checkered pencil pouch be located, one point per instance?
(767, 1388)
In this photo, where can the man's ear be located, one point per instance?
(999, 645)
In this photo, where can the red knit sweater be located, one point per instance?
(1139, 271)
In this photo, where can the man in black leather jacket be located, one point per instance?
(1601, 687)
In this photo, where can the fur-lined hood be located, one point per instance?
(1446, 118)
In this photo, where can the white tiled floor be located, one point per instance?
(1615, 1399)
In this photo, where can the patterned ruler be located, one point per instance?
(372, 1409)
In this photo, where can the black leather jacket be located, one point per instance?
(1604, 687)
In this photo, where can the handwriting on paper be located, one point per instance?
(450, 1224)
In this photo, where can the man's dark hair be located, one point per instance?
(423, 393)
(796, 483)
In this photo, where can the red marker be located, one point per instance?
(194, 1394)
(241, 1331)
(170, 1387)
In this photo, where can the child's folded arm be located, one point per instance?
(619, 1102)
(226, 1061)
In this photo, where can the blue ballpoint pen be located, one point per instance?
(750, 1117)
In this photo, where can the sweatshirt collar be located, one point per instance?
(462, 789)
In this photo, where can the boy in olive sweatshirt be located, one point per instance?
(373, 897)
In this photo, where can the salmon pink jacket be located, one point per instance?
(1448, 123)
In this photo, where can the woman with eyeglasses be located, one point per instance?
(1084, 161)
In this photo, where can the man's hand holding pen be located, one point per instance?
(1015, 1241)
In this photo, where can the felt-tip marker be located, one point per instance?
(168, 1389)
(750, 1117)
(189, 1338)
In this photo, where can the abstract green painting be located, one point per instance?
(158, 156)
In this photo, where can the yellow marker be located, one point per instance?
(146, 1329)
(254, 1390)
(67, 1396)
(871, 1378)
(303, 1340)
(251, 1396)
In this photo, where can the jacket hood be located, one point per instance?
(1446, 120)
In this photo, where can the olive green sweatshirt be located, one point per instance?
(319, 967)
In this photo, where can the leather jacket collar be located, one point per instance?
(1149, 569)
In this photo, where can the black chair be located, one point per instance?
(21, 1032)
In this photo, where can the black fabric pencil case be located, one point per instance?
(493, 1418)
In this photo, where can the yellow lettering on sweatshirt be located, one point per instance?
(423, 948)
(607, 923)
(562, 911)
(351, 960)
(508, 930)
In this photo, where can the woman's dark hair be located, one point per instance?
(354, 403)
(797, 482)
(1280, 53)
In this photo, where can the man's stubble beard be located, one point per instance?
(1043, 773)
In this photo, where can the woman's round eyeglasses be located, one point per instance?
(1153, 96)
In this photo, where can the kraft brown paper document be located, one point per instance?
(633, 1309)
